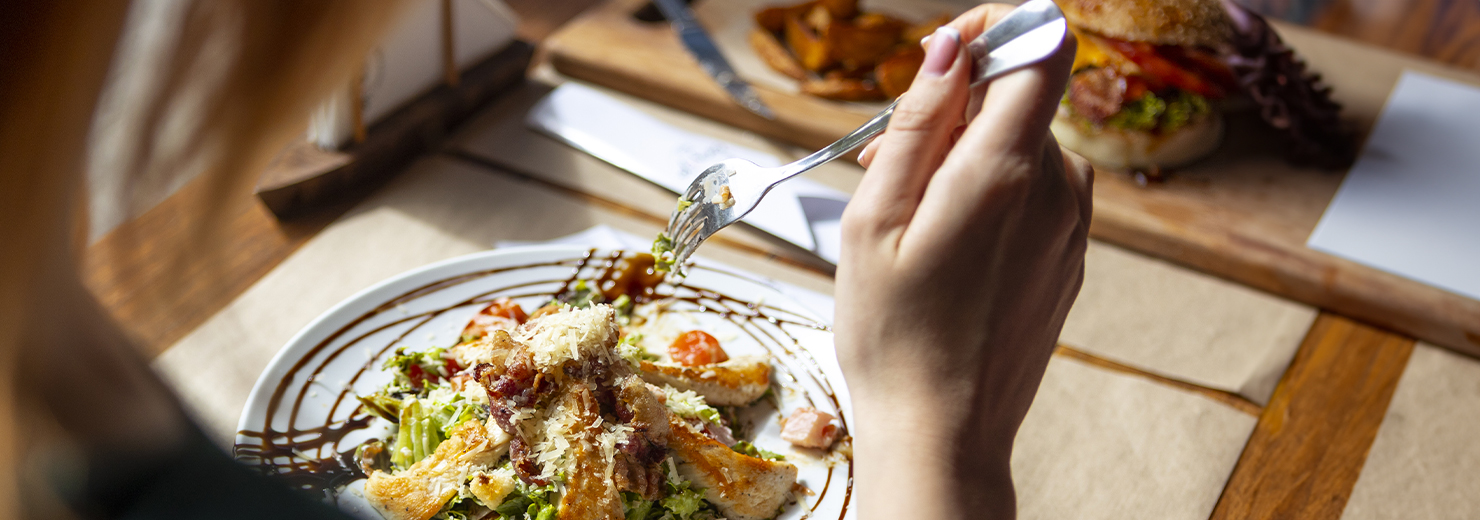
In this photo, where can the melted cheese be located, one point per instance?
(1091, 52)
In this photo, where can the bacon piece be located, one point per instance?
(517, 385)
(639, 456)
(643, 407)
(810, 428)
(1096, 94)
(634, 476)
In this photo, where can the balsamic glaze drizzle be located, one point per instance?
(311, 458)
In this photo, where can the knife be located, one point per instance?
(703, 48)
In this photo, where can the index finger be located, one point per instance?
(976, 21)
(1006, 138)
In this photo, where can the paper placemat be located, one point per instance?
(1426, 459)
(1101, 444)
(1188, 326)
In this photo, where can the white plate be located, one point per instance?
(308, 389)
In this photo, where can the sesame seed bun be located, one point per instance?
(1163, 22)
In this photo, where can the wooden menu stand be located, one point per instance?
(304, 176)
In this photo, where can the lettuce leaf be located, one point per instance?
(1160, 114)
(685, 503)
(426, 422)
(746, 448)
(529, 503)
(663, 253)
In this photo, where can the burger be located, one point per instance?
(1148, 81)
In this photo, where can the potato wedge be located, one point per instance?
(775, 55)
(840, 9)
(843, 89)
(807, 45)
(774, 18)
(838, 51)
(897, 71)
(914, 33)
(857, 45)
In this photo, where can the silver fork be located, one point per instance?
(726, 192)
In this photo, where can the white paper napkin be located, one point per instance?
(800, 211)
(1409, 204)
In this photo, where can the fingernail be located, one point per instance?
(941, 52)
(924, 42)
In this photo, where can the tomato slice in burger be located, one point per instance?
(1145, 56)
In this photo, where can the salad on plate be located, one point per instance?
(600, 404)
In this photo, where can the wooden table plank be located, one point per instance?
(1444, 30)
(1307, 451)
(137, 273)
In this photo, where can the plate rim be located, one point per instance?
(248, 413)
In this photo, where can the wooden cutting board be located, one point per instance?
(1243, 214)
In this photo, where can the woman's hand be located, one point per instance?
(963, 250)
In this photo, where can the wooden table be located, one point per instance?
(1302, 460)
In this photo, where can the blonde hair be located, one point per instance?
(239, 82)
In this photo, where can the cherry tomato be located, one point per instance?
(502, 314)
(417, 376)
(696, 347)
(506, 308)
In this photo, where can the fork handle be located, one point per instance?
(842, 146)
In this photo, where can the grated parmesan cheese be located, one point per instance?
(610, 437)
(570, 335)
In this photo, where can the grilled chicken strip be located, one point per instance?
(737, 382)
(741, 486)
(494, 348)
(589, 489)
(422, 489)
